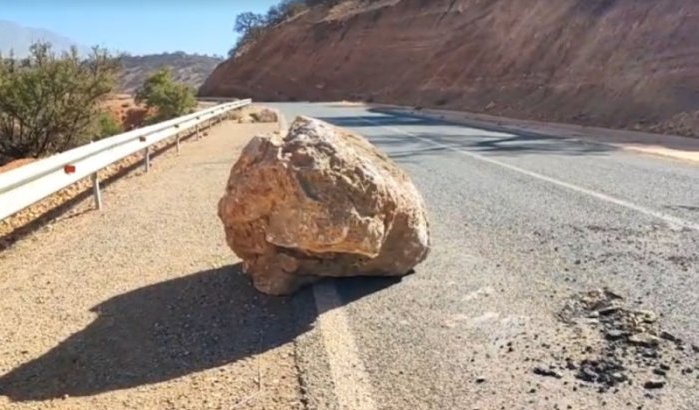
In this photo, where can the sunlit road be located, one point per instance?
(519, 223)
(143, 306)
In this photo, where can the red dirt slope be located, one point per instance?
(618, 63)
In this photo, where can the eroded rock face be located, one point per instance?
(586, 81)
(321, 202)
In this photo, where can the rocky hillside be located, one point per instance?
(618, 63)
(191, 69)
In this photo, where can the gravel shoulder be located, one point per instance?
(143, 305)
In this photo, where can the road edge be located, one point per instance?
(583, 134)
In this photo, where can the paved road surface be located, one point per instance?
(519, 225)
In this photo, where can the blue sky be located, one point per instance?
(137, 27)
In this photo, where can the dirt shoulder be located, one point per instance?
(143, 305)
(673, 146)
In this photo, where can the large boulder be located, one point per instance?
(321, 201)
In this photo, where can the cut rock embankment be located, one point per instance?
(618, 64)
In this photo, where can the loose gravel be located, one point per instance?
(142, 305)
(633, 348)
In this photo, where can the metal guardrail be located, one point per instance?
(216, 99)
(26, 185)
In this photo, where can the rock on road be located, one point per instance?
(141, 306)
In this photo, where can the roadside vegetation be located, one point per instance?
(51, 102)
(252, 26)
(165, 98)
(108, 125)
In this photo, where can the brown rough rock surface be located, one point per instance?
(265, 115)
(321, 202)
(623, 64)
(255, 114)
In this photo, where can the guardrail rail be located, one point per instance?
(26, 185)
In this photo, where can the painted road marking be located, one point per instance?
(352, 386)
(674, 222)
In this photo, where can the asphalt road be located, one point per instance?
(520, 224)
(143, 306)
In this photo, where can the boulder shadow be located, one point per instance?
(168, 330)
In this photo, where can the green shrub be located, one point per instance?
(50, 103)
(167, 98)
(107, 125)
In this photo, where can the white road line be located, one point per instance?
(352, 386)
(674, 222)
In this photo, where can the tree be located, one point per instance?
(285, 9)
(168, 98)
(248, 23)
(252, 26)
(50, 103)
(291, 8)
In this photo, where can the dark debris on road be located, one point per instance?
(633, 348)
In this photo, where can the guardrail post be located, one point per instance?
(96, 191)
(178, 143)
(146, 158)
(198, 135)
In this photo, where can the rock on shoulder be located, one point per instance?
(321, 201)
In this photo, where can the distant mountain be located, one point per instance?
(17, 38)
(190, 69)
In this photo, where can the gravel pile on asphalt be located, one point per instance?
(633, 347)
